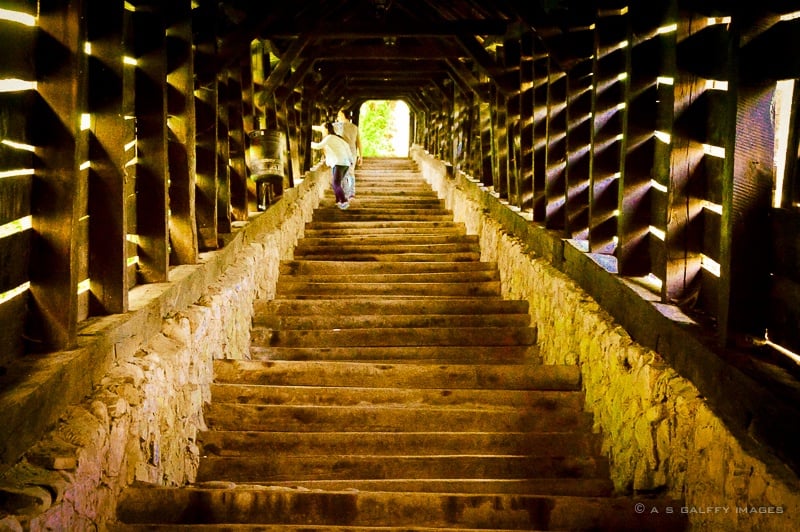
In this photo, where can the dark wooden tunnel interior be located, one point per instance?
(660, 137)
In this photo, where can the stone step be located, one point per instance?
(399, 355)
(369, 230)
(471, 275)
(289, 322)
(413, 306)
(228, 527)
(290, 287)
(383, 239)
(578, 487)
(533, 444)
(408, 256)
(270, 505)
(252, 394)
(377, 199)
(282, 467)
(416, 376)
(399, 225)
(304, 249)
(354, 214)
(394, 336)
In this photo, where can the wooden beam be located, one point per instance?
(59, 190)
(487, 63)
(109, 101)
(182, 135)
(277, 75)
(152, 168)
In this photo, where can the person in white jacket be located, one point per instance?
(339, 157)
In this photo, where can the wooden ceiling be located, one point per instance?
(391, 49)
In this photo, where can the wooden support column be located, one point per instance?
(608, 106)
(639, 122)
(578, 143)
(700, 164)
(486, 169)
(109, 101)
(541, 90)
(743, 303)
(206, 103)
(223, 155)
(237, 143)
(526, 122)
(512, 61)
(556, 154)
(59, 195)
(182, 134)
(17, 163)
(152, 169)
(662, 149)
(499, 130)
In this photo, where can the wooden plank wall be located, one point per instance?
(649, 138)
(117, 160)
(657, 150)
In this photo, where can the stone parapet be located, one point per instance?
(659, 431)
(127, 405)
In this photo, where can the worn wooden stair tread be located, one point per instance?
(502, 354)
(339, 395)
(255, 504)
(391, 387)
(409, 305)
(249, 442)
(417, 376)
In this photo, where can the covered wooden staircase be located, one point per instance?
(392, 388)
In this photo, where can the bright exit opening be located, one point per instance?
(384, 127)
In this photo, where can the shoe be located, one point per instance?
(344, 205)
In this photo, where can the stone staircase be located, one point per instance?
(392, 388)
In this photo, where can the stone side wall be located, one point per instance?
(141, 422)
(659, 433)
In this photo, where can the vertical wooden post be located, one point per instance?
(108, 216)
(223, 155)
(512, 62)
(541, 90)
(206, 102)
(152, 172)
(578, 143)
(611, 76)
(526, 122)
(556, 154)
(59, 195)
(182, 134)
(237, 136)
(639, 121)
(17, 162)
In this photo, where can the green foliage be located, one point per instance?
(379, 130)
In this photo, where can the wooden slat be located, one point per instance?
(610, 78)
(639, 144)
(748, 203)
(108, 216)
(152, 200)
(58, 194)
(238, 169)
(556, 154)
(222, 156)
(204, 27)
(182, 134)
(16, 41)
(14, 256)
(541, 73)
(579, 138)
